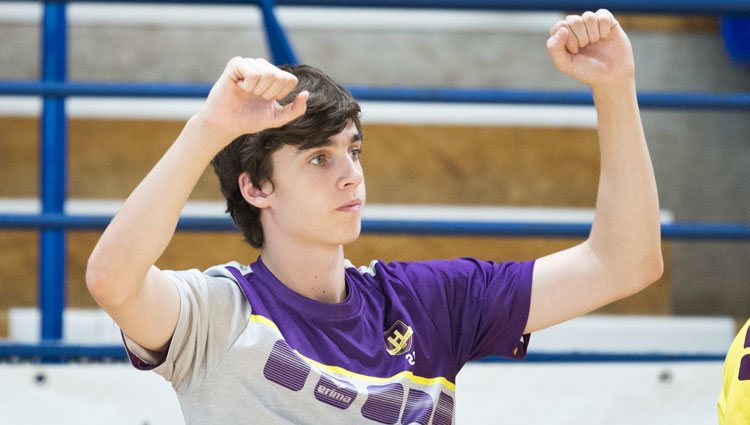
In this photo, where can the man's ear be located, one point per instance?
(253, 195)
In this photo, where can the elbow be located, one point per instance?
(109, 284)
(649, 270)
(96, 280)
(102, 284)
(653, 271)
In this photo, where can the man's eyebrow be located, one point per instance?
(356, 137)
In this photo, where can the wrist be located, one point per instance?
(616, 88)
(202, 125)
(206, 135)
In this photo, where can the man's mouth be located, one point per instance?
(353, 205)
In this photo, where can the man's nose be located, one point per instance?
(351, 173)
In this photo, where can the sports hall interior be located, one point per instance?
(423, 160)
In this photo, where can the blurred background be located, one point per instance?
(423, 161)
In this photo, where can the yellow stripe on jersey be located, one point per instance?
(255, 318)
(405, 374)
(420, 380)
(734, 401)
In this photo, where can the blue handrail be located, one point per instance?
(654, 100)
(690, 231)
(62, 352)
(675, 7)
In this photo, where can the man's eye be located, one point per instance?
(318, 160)
(355, 153)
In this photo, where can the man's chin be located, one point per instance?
(352, 238)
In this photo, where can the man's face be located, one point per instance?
(317, 193)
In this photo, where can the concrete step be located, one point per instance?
(361, 46)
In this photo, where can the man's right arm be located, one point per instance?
(121, 275)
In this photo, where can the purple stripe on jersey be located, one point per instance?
(744, 368)
(137, 362)
(338, 394)
(285, 368)
(383, 403)
(522, 347)
(418, 408)
(444, 410)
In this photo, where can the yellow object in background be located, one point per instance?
(734, 402)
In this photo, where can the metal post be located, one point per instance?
(278, 43)
(53, 165)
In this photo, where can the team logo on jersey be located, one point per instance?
(398, 338)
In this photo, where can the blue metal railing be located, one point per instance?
(675, 7)
(650, 100)
(53, 169)
(52, 351)
(53, 87)
(696, 231)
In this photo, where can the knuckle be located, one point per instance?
(264, 74)
(256, 62)
(556, 26)
(252, 74)
(234, 63)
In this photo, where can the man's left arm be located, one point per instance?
(622, 254)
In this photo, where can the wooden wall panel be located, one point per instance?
(403, 164)
(18, 268)
(19, 157)
(481, 165)
(672, 23)
(18, 285)
(4, 331)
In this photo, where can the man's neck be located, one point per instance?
(314, 272)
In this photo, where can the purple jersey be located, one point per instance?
(389, 353)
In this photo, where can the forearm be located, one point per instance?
(144, 226)
(625, 235)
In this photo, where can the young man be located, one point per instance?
(300, 335)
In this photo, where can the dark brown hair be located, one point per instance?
(329, 108)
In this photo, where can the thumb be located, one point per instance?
(293, 110)
(556, 47)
